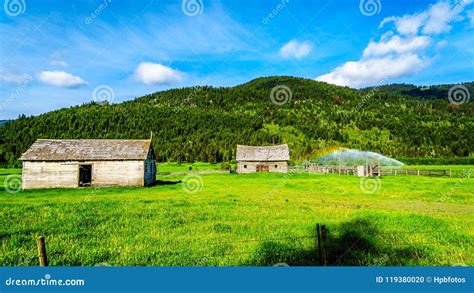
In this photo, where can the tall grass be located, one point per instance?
(253, 219)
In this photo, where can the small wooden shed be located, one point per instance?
(88, 162)
(251, 159)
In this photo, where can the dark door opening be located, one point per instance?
(262, 168)
(85, 175)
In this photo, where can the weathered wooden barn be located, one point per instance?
(88, 162)
(251, 159)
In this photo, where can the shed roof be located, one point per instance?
(87, 150)
(263, 153)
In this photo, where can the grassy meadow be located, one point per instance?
(253, 219)
(440, 167)
(172, 167)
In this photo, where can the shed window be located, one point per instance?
(276, 166)
(245, 166)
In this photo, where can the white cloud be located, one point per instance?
(376, 70)
(295, 49)
(441, 14)
(154, 73)
(400, 53)
(391, 57)
(12, 77)
(60, 79)
(470, 15)
(408, 24)
(396, 45)
(435, 20)
(441, 44)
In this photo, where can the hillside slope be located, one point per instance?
(205, 123)
(426, 92)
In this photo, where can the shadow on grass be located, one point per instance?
(354, 243)
(162, 182)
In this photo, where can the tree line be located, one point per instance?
(206, 123)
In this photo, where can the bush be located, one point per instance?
(225, 166)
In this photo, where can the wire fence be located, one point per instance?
(322, 247)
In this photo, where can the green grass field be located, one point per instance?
(164, 168)
(254, 219)
(439, 167)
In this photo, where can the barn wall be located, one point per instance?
(276, 167)
(66, 174)
(50, 174)
(150, 172)
(117, 173)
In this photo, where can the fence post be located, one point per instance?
(450, 173)
(418, 172)
(324, 238)
(41, 251)
(318, 233)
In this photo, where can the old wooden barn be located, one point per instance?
(88, 162)
(251, 159)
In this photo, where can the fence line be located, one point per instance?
(352, 170)
(327, 247)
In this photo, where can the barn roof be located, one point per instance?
(87, 150)
(263, 153)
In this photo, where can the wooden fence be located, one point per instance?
(435, 173)
(377, 171)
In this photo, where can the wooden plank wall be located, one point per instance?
(66, 174)
(281, 167)
(50, 174)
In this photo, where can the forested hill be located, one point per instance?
(206, 123)
(427, 92)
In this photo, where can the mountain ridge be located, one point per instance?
(206, 123)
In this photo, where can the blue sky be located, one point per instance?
(57, 54)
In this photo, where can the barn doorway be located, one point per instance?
(85, 175)
(262, 168)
